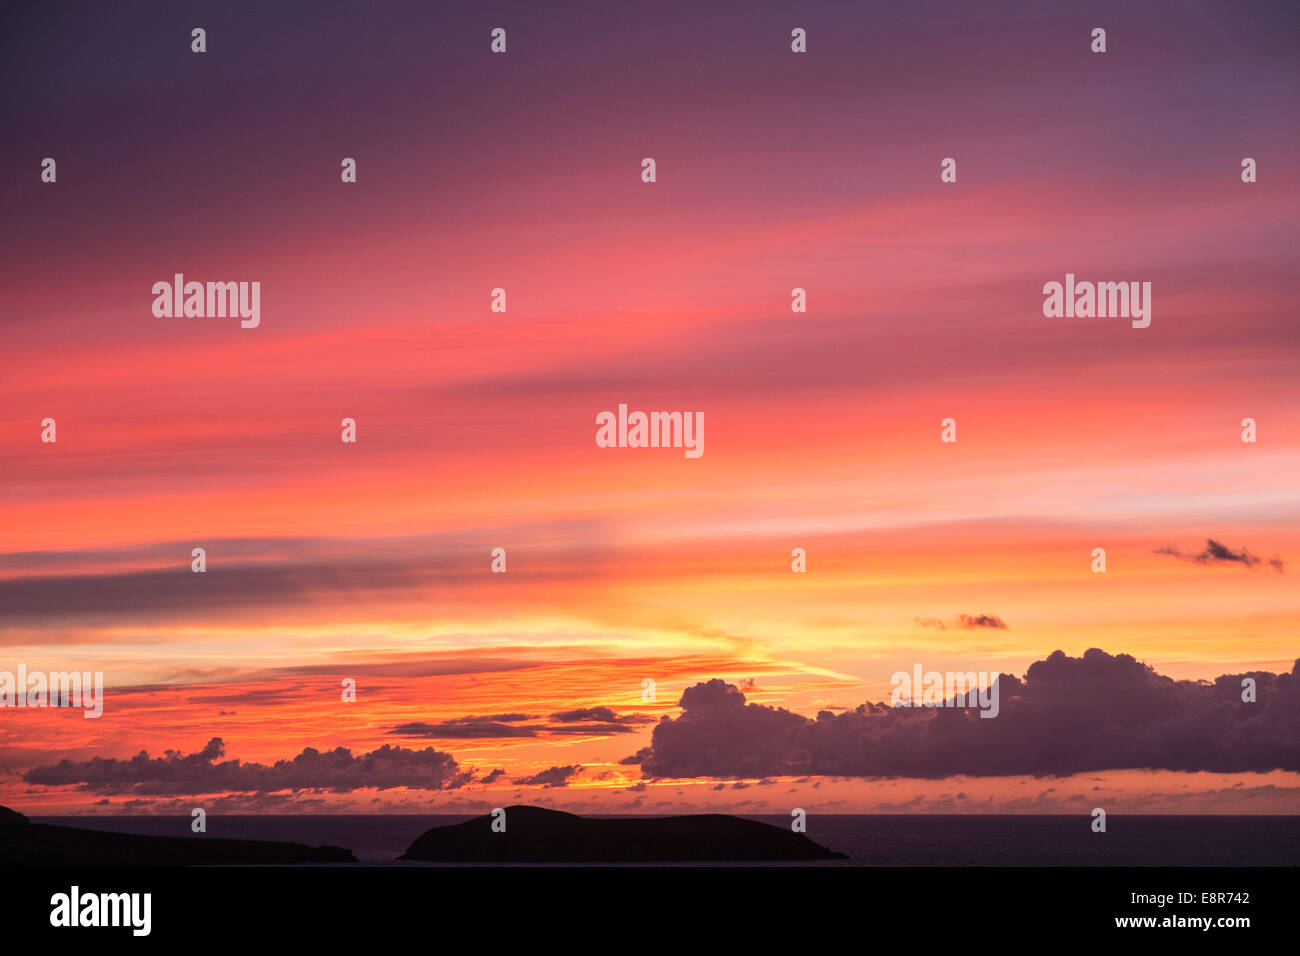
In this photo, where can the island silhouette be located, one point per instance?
(23, 843)
(539, 835)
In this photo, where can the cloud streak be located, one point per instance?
(1217, 553)
(552, 777)
(967, 622)
(587, 721)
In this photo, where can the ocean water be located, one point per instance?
(868, 840)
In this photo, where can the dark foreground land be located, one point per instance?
(23, 843)
(536, 835)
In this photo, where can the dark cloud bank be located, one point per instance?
(204, 772)
(1068, 715)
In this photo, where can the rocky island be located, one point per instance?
(537, 835)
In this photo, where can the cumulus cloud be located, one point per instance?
(1067, 715)
(1217, 553)
(336, 770)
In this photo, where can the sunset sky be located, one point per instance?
(476, 429)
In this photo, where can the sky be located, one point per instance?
(371, 561)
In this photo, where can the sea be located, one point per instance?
(868, 840)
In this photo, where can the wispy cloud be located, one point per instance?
(1215, 552)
